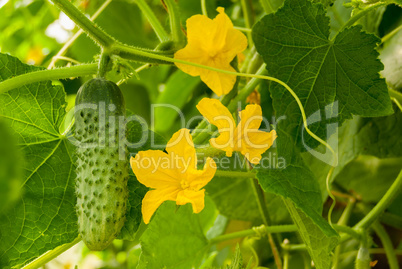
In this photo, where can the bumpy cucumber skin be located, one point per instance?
(102, 169)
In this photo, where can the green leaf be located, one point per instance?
(324, 2)
(44, 216)
(336, 78)
(319, 242)
(177, 91)
(10, 167)
(302, 196)
(174, 239)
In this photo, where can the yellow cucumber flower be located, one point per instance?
(214, 43)
(245, 137)
(173, 176)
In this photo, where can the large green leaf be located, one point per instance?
(334, 78)
(44, 216)
(301, 192)
(174, 239)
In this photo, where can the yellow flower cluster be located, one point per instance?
(173, 176)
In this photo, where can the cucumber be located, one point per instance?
(102, 167)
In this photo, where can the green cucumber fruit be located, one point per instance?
(102, 168)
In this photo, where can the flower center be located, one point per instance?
(184, 184)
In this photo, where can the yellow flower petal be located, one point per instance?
(196, 198)
(200, 178)
(219, 83)
(251, 117)
(255, 143)
(181, 148)
(216, 113)
(148, 166)
(153, 199)
(236, 42)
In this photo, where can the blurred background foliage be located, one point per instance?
(35, 30)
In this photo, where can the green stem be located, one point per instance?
(52, 74)
(258, 192)
(395, 94)
(387, 244)
(285, 259)
(248, 58)
(68, 44)
(254, 232)
(204, 8)
(361, 14)
(248, 89)
(267, 6)
(381, 205)
(235, 174)
(363, 255)
(153, 20)
(175, 25)
(343, 220)
(50, 255)
(88, 26)
(247, 19)
(391, 34)
(347, 230)
(103, 64)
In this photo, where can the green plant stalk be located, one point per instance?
(68, 44)
(175, 27)
(363, 255)
(247, 19)
(103, 64)
(235, 174)
(267, 6)
(153, 20)
(248, 89)
(249, 56)
(89, 27)
(285, 259)
(383, 204)
(343, 220)
(391, 34)
(387, 244)
(395, 94)
(204, 8)
(258, 192)
(50, 255)
(361, 14)
(253, 232)
(46, 74)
